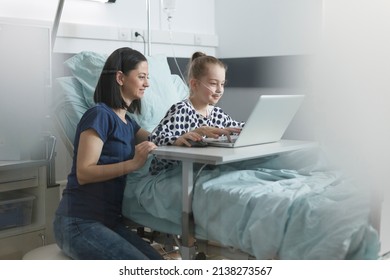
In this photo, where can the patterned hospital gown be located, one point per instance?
(182, 118)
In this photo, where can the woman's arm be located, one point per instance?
(89, 150)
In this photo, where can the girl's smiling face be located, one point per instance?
(209, 89)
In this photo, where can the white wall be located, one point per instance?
(251, 28)
(94, 26)
(245, 28)
(262, 28)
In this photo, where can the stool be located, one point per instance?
(48, 252)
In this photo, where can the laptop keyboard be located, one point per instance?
(224, 139)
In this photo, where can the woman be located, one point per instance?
(108, 145)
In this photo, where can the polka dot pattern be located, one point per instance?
(182, 118)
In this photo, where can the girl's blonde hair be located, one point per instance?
(198, 65)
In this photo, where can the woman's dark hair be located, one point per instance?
(199, 62)
(107, 89)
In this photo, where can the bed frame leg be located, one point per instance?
(187, 253)
(187, 247)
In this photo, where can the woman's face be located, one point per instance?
(209, 88)
(134, 83)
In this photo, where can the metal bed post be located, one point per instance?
(148, 28)
(187, 249)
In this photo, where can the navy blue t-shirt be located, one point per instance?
(100, 201)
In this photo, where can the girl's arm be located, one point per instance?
(226, 120)
(176, 122)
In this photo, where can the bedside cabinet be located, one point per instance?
(27, 207)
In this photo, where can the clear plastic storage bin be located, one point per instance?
(15, 209)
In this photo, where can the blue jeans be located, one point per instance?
(91, 240)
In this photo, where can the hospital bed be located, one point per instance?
(280, 204)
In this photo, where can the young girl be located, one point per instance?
(108, 145)
(197, 116)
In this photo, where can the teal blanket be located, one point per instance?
(290, 206)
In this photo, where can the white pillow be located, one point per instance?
(161, 94)
(86, 68)
(69, 104)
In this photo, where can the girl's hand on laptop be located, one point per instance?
(230, 131)
(233, 130)
(215, 132)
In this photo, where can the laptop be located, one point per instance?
(266, 124)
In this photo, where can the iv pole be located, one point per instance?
(56, 22)
(148, 28)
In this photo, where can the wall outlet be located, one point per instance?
(134, 37)
(124, 34)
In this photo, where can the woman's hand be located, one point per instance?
(215, 132)
(142, 151)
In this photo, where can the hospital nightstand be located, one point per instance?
(26, 207)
